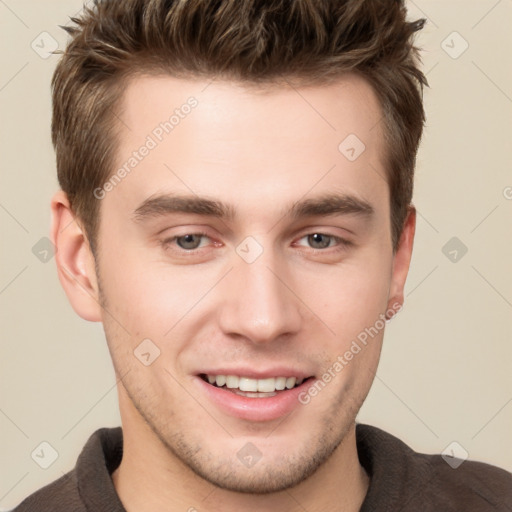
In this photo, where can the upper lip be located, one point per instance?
(258, 374)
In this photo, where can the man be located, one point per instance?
(236, 209)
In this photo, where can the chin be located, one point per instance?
(251, 471)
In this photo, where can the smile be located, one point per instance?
(252, 388)
(255, 396)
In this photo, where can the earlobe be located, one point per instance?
(402, 260)
(75, 261)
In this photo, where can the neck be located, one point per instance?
(150, 477)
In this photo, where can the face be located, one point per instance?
(250, 247)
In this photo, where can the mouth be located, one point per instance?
(255, 396)
(253, 388)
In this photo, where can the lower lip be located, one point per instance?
(254, 409)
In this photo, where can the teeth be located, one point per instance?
(254, 386)
(231, 381)
(280, 383)
(290, 382)
(255, 395)
(266, 385)
(247, 384)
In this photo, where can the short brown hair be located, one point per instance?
(251, 42)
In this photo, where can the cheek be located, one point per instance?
(152, 296)
(353, 296)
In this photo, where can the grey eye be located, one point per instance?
(189, 241)
(319, 241)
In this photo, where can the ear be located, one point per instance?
(75, 261)
(402, 259)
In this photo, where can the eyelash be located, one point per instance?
(341, 243)
(168, 241)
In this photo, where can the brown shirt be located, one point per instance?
(401, 480)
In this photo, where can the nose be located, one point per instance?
(258, 303)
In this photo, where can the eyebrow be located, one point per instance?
(168, 203)
(325, 205)
(331, 204)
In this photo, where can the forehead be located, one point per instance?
(348, 104)
(245, 144)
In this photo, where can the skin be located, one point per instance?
(296, 305)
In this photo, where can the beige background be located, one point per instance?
(445, 373)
